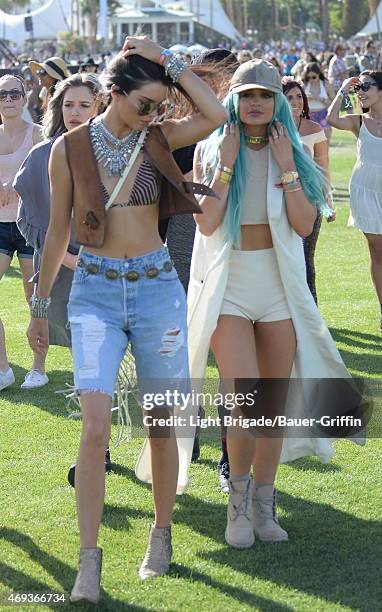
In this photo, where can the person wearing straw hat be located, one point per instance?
(49, 72)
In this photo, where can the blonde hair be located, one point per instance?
(53, 122)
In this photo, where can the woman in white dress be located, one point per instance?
(366, 181)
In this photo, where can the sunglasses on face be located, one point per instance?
(148, 108)
(364, 86)
(41, 72)
(312, 77)
(14, 94)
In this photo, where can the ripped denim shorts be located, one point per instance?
(114, 302)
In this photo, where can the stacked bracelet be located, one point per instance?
(293, 187)
(294, 183)
(175, 67)
(39, 307)
(225, 174)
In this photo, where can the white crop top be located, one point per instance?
(254, 210)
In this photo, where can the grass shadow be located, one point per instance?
(239, 595)
(309, 464)
(328, 550)
(18, 582)
(357, 339)
(117, 517)
(45, 397)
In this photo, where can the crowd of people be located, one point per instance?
(162, 186)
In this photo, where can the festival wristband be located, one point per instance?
(165, 56)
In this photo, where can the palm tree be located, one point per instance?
(325, 21)
(373, 5)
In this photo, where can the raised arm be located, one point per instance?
(347, 122)
(214, 209)
(56, 240)
(211, 115)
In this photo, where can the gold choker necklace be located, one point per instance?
(256, 139)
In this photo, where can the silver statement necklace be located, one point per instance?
(111, 152)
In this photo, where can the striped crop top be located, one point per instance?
(145, 190)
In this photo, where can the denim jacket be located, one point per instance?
(176, 197)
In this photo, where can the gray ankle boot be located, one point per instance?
(158, 555)
(239, 530)
(87, 584)
(265, 521)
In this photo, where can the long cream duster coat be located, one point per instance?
(316, 356)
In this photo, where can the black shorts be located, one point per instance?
(11, 242)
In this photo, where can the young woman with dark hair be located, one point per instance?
(313, 137)
(366, 181)
(319, 93)
(17, 137)
(125, 287)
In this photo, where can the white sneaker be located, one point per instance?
(35, 379)
(6, 379)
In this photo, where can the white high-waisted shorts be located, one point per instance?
(254, 289)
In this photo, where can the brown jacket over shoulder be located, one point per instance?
(177, 195)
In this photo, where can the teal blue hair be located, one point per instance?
(313, 182)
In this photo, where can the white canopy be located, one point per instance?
(48, 20)
(54, 16)
(372, 26)
(210, 13)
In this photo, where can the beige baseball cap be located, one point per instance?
(256, 74)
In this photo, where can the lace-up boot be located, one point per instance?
(239, 530)
(265, 521)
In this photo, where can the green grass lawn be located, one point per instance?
(332, 512)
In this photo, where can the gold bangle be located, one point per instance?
(226, 169)
(224, 177)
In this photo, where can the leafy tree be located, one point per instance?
(354, 17)
(14, 6)
(90, 8)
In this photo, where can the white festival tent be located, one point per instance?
(374, 24)
(210, 13)
(54, 17)
(48, 20)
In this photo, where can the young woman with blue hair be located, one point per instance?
(248, 296)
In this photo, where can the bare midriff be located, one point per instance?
(256, 237)
(130, 232)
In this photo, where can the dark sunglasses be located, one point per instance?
(147, 108)
(312, 77)
(41, 72)
(14, 94)
(364, 86)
